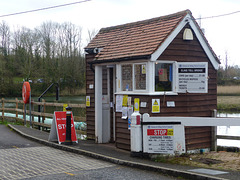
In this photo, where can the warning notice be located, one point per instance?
(192, 77)
(163, 139)
(160, 139)
(155, 105)
(160, 132)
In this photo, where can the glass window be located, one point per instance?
(140, 76)
(163, 77)
(127, 77)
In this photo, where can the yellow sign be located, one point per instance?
(143, 69)
(155, 105)
(170, 132)
(136, 104)
(87, 101)
(155, 102)
(64, 107)
(125, 101)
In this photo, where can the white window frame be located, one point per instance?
(119, 79)
(150, 78)
(134, 88)
(174, 75)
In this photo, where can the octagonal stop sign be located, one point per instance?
(26, 92)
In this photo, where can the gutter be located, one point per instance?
(119, 59)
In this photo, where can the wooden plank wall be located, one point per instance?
(90, 111)
(187, 104)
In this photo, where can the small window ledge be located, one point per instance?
(146, 93)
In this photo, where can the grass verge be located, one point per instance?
(228, 103)
(215, 160)
(10, 121)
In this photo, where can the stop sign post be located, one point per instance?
(26, 96)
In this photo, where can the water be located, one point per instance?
(228, 131)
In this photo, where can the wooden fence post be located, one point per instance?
(44, 109)
(2, 109)
(32, 108)
(16, 107)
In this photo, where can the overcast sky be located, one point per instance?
(223, 33)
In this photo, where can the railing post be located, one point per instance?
(24, 115)
(32, 108)
(39, 110)
(16, 108)
(44, 110)
(214, 133)
(2, 109)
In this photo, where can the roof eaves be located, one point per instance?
(120, 59)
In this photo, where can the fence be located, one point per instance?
(18, 111)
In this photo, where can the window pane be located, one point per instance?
(163, 77)
(127, 77)
(140, 76)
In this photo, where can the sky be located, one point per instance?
(222, 32)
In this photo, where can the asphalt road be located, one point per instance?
(10, 139)
(21, 158)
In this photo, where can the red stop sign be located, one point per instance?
(26, 92)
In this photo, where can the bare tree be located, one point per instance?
(91, 34)
(5, 37)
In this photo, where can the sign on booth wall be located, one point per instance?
(192, 77)
(87, 101)
(163, 139)
(155, 105)
(58, 128)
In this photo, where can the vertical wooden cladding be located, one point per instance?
(90, 111)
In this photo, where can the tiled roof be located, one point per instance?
(136, 39)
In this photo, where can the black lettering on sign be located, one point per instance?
(191, 70)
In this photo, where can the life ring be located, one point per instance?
(26, 92)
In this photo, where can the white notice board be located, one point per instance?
(164, 139)
(192, 77)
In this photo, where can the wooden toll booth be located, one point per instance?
(165, 64)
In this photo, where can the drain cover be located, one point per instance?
(207, 171)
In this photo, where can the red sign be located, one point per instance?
(157, 132)
(60, 118)
(26, 92)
